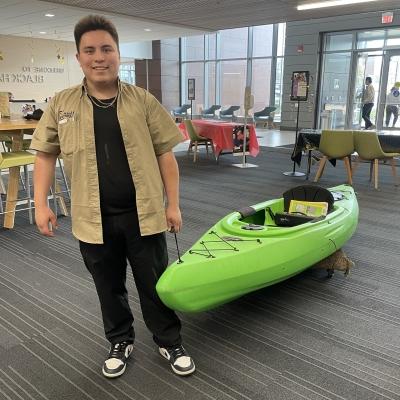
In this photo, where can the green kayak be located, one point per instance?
(244, 252)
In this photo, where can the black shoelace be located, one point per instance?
(176, 352)
(118, 351)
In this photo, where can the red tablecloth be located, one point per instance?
(221, 134)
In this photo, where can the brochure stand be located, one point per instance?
(191, 94)
(299, 92)
(248, 103)
(294, 172)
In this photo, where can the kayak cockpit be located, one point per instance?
(261, 219)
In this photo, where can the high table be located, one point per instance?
(309, 139)
(16, 128)
(221, 134)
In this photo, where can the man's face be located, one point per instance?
(98, 57)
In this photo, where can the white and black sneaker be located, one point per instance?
(181, 362)
(115, 364)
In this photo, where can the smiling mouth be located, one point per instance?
(100, 68)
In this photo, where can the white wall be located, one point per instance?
(307, 34)
(139, 50)
(37, 68)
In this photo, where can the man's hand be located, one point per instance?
(174, 219)
(46, 221)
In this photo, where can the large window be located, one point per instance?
(280, 51)
(262, 40)
(224, 63)
(211, 43)
(278, 88)
(210, 83)
(233, 43)
(393, 37)
(127, 72)
(233, 82)
(193, 48)
(371, 39)
(194, 70)
(261, 87)
(339, 42)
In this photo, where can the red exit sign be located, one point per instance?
(387, 18)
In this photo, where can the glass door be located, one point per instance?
(390, 93)
(368, 64)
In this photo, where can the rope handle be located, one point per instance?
(177, 249)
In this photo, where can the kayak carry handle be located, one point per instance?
(246, 211)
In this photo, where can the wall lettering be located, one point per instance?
(21, 78)
(48, 70)
(30, 74)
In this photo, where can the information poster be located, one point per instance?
(191, 89)
(300, 82)
(4, 104)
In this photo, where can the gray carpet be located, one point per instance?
(306, 338)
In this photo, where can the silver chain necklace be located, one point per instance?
(102, 104)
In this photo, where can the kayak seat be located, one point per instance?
(308, 193)
(302, 193)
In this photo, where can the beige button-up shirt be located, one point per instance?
(148, 131)
(369, 94)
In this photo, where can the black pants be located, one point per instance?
(391, 109)
(148, 258)
(366, 112)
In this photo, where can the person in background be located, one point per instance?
(116, 141)
(392, 106)
(368, 102)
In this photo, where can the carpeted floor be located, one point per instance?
(306, 338)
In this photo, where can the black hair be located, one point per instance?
(94, 23)
(368, 79)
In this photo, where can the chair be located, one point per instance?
(196, 140)
(25, 146)
(180, 113)
(336, 145)
(367, 146)
(266, 116)
(7, 146)
(55, 189)
(229, 113)
(19, 159)
(210, 112)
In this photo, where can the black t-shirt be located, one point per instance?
(117, 190)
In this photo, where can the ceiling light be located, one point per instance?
(49, 15)
(147, 29)
(331, 3)
(42, 32)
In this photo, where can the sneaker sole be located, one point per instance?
(183, 373)
(176, 371)
(116, 375)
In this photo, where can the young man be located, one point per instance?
(392, 106)
(116, 141)
(368, 102)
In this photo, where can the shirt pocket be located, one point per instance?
(68, 133)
